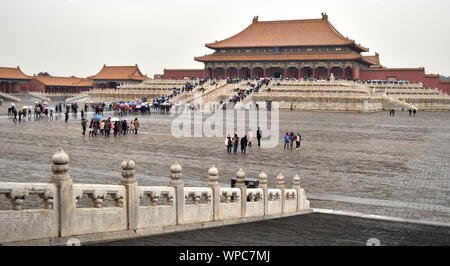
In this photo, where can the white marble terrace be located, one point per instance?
(136, 207)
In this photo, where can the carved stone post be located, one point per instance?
(213, 183)
(263, 185)
(132, 196)
(65, 202)
(177, 183)
(302, 201)
(240, 183)
(296, 186)
(280, 185)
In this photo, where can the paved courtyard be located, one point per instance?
(370, 163)
(314, 229)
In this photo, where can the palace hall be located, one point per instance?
(310, 48)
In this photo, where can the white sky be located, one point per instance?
(76, 37)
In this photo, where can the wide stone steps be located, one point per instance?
(210, 95)
(9, 97)
(398, 102)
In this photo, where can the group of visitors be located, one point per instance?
(391, 112)
(39, 110)
(412, 112)
(162, 105)
(289, 140)
(69, 107)
(232, 143)
(117, 126)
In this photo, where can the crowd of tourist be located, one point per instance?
(38, 110)
(290, 138)
(105, 126)
(232, 143)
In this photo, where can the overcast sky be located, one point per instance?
(76, 37)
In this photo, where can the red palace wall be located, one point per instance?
(183, 73)
(434, 82)
(411, 75)
(36, 86)
(23, 87)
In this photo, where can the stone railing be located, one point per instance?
(312, 83)
(393, 84)
(45, 94)
(92, 212)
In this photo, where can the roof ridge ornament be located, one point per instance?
(255, 19)
(324, 16)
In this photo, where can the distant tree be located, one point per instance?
(43, 74)
(442, 77)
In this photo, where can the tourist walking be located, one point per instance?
(410, 112)
(298, 139)
(116, 128)
(83, 125)
(107, 128)
(235, 143)
(287, 139)
(250, 138)
(244, 143)
(67, 116)
(131, 126)
(258, 136)
(124, 127)
(228, 144)
(136, 126)
(102, 127)
(414, 112)
(95, 128)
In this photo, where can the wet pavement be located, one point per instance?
(314, 229)
(370, 163)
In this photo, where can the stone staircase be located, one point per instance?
(39, 96)
(182, 96)
(399, 103)
(77, 98)
(9, 97)
(220, 93)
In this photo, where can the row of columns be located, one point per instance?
(275, 72)
(8, 87)
(66, 89)
(106, 85)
